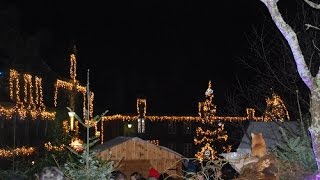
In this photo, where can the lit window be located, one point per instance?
(141, 125)
(187, 127)
(172, 127)
(187, 149)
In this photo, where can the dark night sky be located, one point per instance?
(163, 50)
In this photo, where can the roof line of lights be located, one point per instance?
(276, 109)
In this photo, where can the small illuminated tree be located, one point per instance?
(88, 166)
(210, 137)
(276, 109)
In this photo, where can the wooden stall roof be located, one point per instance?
(135, 154)
(136, 146)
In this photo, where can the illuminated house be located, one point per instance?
(174, 132)
(24, 118)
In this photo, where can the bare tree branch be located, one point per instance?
(312, 4)
(311, 26)
(292, 40)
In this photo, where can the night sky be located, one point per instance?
(165, 51)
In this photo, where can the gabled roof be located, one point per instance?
(121, 139)
(270, 132)
(111, 143)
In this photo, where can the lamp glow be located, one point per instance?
(129, 125)
(71, 115)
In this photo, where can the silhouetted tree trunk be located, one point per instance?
(312, 82)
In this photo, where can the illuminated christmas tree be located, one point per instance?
(210, 137)
(276, 109)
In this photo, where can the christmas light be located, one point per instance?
(76, 144)
(102, 131)
(214, 129)
(156, 142)
(21, 151)
(203, 139)
(65, 126)
(32, 106)
(73, 67)
(49, 147)
(14, 84)
(276, 109)
(207, 152)
(74, 85)
(142, 103)
(205, 114)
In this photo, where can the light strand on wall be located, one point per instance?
(28, 106)
(21, 151)
(74, 84)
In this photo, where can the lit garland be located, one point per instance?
(14, 84)
(22, 151)
(276, 110)
(39, 93)
(76, 144)
(65, 127)
(142, 103)
(120, 117)
(30, 105)
(203, 139)
(74, 84)
(214, 130)
(207, 152)
(200, 131)
(250, 114)
(208, 110)
(6, 112)
(73, 67)
(102, 131)
(49, 147)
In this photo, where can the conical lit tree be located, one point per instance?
(210, 137)
(276, 109)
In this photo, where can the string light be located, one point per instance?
(21, 151)
(73, 67)
(76, 144)
(30, 105)
(27, 151)
(102, 131)
(49, 147)
(207, 152)
(276, 109)
(203, 139)
(214, 129)
(156, 142)
(141, 103)
(14, 82)
(65, 126)
(280, 112)
(208, 109)
(74, 84)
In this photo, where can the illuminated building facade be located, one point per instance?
(178, 132)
